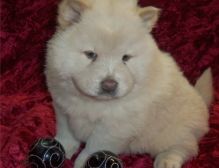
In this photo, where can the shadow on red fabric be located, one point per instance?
(188, 29)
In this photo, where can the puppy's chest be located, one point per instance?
(83, 119)
(81, 127)
(86, 117)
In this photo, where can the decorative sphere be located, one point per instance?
(103, 159)
(46, 153)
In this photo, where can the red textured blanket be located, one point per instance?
(188, 29)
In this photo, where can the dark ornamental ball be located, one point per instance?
(46, 153)
(103, 159)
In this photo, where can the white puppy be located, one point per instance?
(114, 89)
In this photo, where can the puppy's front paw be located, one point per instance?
(70, 146)
(82, 158)
(168, 160)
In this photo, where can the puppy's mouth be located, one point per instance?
(101, 95)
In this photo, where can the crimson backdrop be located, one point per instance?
(188, 29)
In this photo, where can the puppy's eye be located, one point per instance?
(91, 55)
(126, 58)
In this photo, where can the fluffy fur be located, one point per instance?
(154, 110)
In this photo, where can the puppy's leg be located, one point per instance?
(102, 138)
(174, 157)
(64, 135)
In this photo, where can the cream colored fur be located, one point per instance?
(155, 110)
(204, 86)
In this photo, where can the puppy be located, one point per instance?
(114, 89)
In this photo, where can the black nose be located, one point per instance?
(109, 86)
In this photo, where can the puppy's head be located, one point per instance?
(103, 47)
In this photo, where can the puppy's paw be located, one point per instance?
(168, 160)
(80, 161)
(70, 146)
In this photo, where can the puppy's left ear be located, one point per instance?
(70, 11)
(149, 16)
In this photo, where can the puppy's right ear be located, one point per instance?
(69, 11)
(149, 16)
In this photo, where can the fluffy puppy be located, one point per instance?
(114, 89)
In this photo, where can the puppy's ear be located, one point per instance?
(69, 11)
(149, 16)
(130, 2)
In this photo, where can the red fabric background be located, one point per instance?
(188, 29)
